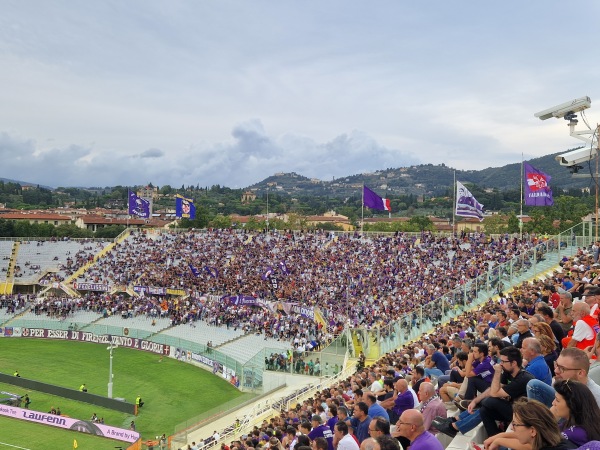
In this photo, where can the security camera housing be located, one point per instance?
(575, 157)
(563, 109)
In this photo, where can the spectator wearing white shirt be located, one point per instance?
(344, 440)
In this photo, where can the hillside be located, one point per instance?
(427, 179)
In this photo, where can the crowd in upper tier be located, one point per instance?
(364, 279)
(354, 280)
(523, 367)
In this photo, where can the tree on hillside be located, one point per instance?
(513, 224)
(495, 224)
(422, 223)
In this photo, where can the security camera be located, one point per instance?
(565, 109)
(575, 157)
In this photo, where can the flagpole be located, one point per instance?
(454, 205)
(128, 195)
(362, 210)
(390, 211)
(598, 147)
(521, 218)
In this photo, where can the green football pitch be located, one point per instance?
(173, 391)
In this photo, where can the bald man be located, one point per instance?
(401, 400)
(585, 330)
(431, 406)
(368, 444)
(411, 427)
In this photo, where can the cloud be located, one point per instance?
(152, 153)
(230, 92)
(250, 157)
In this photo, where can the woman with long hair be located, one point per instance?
(548, 351)
(534, 428)
(577, 412)
(534, 424)
(543, 329)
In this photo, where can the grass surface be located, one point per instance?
(17, 433)
(172, 391)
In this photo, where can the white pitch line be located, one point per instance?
(14, 446)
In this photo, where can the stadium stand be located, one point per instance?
(5, 254)
(390, 278)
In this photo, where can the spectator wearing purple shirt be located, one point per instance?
(411, 426)
(333, 419)
(480, 370)
(401, 400)
(320, 430)
(577, 412)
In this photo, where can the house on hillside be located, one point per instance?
(37, 217)
(333, 218)
(95, 222)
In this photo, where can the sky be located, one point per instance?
(229, 92)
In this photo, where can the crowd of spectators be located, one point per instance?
(68, 257)
(355, 280)
(525, 345)
(14, 303)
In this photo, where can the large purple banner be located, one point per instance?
(84, 336)
(138, 206)
(68, 423)
(537, 187)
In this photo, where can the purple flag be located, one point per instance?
(194, 270)
(184, 207)
(212, 271)
(537, 187)
(374, 201)
(138, 206)
(267, 273)
(466, 204)
(283, 267)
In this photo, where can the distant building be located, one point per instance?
(38, 217)
(333, 218)
(94, 222)
(248, 197)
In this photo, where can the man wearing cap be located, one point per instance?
(592, 297)
(554, 296)
(567, 284)
(320, 430)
